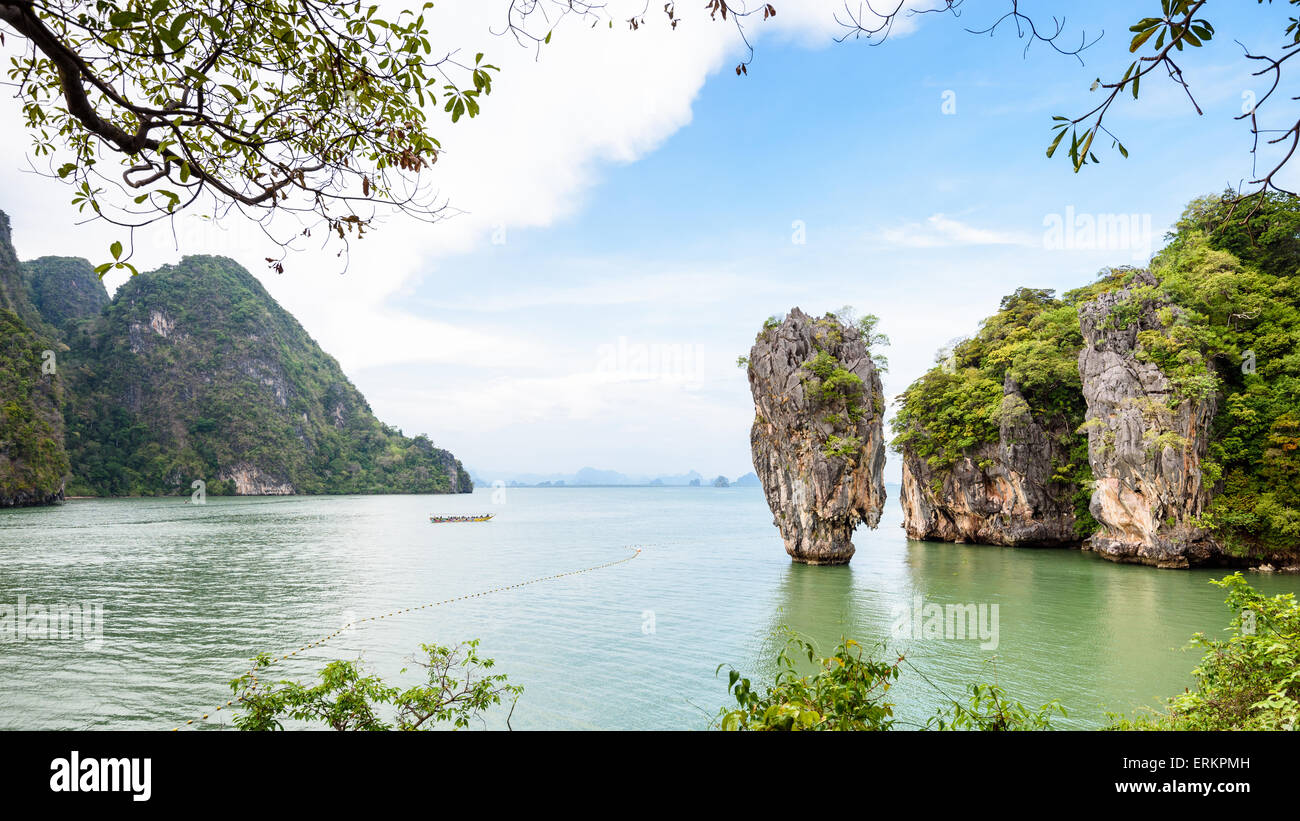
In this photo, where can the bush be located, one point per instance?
(1249, 681)
(847, 692)
(458, 691)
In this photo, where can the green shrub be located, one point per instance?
(458, 691)
(848, 691)
(1248, 681)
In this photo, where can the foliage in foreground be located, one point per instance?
(848, 692)
(1249, 681)
(459, 689)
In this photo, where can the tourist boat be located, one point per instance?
(442, 519)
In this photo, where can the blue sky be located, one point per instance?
(628, 192)
(852, 140)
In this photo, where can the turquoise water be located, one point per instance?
(191, 592)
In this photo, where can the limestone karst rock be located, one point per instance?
(1144, 445)
(818, 437)
(1000, 492)
(195, 372)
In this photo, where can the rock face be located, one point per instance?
(193, 372)
(33, 462)
(1144, 448)
(818, 437)
(1001, 493)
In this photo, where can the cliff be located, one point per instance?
(193, 372)
(988, 437)
(1181, 385)
(1145, 442)
(33, 463)
(1004, 492)
(817, 438)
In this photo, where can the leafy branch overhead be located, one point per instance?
(312, 107)
(320, 110)
(1159, 41)
(1177, 28)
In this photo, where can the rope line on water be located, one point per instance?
(636, 551)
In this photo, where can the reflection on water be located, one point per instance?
(191, 592)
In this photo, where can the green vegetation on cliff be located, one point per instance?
(195, 373)
(1034, 341)
(1228, 297)
(192, 373)
(1239, 298)
(65, 290)
(33, 463)
(836, 388)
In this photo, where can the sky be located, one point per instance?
(631, 211)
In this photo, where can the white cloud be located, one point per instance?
(593, 98)
(940, 231)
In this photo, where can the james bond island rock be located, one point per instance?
(1146, 441)
(33, 463)
(988, 436)
(818, 437)
(194, 372)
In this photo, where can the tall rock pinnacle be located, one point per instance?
(1145, 444)
(818, 436)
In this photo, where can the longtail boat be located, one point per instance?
(443, 519)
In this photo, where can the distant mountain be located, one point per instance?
(689, 478)
(592, 476)
(748, 480)
(588, 477)
(194, 372)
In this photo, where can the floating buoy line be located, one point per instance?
(252, 671)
